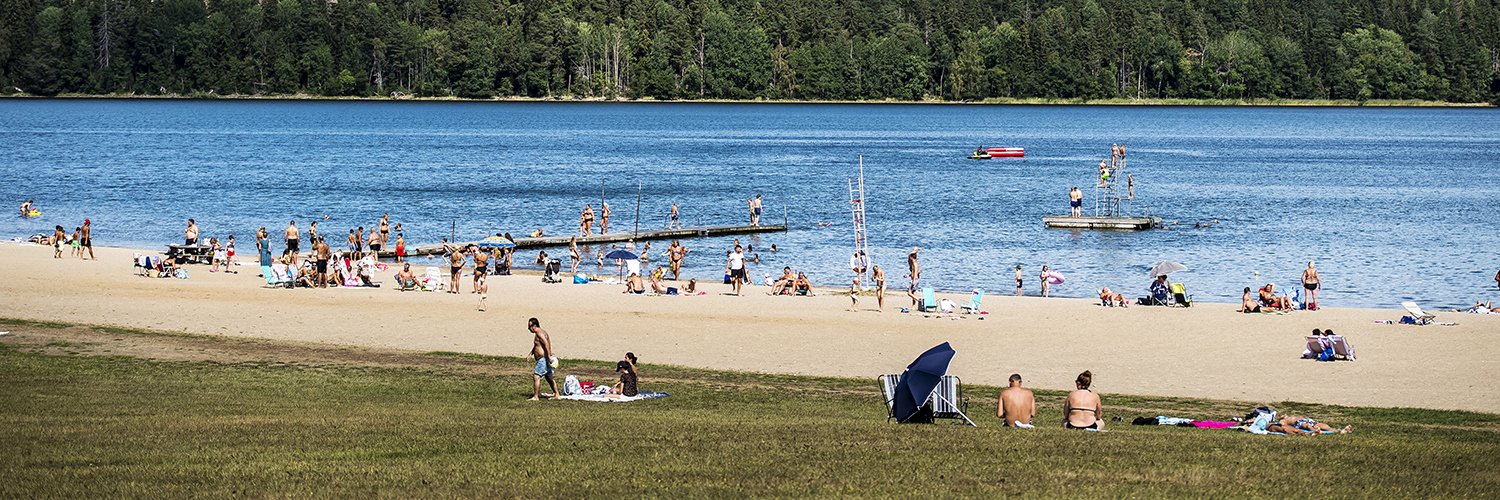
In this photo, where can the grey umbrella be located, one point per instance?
(1166, 267)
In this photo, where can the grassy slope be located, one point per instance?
(113, 426)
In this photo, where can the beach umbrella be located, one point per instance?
(1166, 267)
(496, 242)
(919, 379)
(619, 254)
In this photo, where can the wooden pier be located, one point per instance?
(654, 234)
(1087, 222)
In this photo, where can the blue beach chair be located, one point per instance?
(928, 302)
(973, 305)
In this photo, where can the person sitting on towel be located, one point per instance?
(1247, 303)
(633, 284)
(628, 380)
(1017, 405)
(406, 279)
(802, 284)
(1082, 409)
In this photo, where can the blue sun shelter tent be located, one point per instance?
(917, 384)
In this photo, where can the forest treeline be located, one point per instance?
(1442, 50)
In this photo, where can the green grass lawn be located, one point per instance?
(111, 426)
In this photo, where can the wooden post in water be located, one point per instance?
(638, 185)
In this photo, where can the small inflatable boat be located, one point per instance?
(1006, 152)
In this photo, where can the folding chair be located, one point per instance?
(1417, 314)
(973, 305)
(1314, 346)
(272, 277)
(946, 401)
(1179, 294)
(1341, 347)
(928, 302)
(888, 390)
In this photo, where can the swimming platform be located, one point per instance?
(616, 237)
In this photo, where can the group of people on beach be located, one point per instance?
(79, 241)
(1267, 300)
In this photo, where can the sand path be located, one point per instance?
(1206, 351)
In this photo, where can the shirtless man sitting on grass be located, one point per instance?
(1017, 405)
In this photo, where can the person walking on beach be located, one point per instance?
(1075, 202)
(541, 350)
(322, 254)
(481, 266)
(1017, 404)
(1082, 408)
(292, 234)
(672, 220)
(86, 240)
(263, 246)
(854, 294)
(913, 267)
(879, 277)
(737, 268)
(1310, 283)
(483, 289)
(191, 234)
(604, 218)
(57, 241)
(1045, 283)
(1018, 278)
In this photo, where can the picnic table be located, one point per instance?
(191, 253)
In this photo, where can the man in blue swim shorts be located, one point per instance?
(1075, 199)
(541, 349)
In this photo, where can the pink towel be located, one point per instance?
(1209, 424)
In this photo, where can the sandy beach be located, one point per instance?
(1207, 351)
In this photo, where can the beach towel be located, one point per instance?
(600, 398)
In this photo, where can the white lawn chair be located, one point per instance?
(973, 305)
(946, 402)
(1314, 346)
(1422, 318)
(433, 280)
(1341, 347)
(888, 390)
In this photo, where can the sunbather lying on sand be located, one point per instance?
(1108, 298)
(1300, 425)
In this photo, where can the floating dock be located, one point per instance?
(654, 234)
(1125, 223)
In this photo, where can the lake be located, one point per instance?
(1393, 204)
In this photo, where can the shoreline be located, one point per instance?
(987, 102)
(1207, 351)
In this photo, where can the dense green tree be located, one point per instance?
(746, 49)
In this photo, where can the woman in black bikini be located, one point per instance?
(1310, 282)
(1082, 408)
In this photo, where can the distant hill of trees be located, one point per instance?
(745, 49)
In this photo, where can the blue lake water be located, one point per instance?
(1393, 204)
